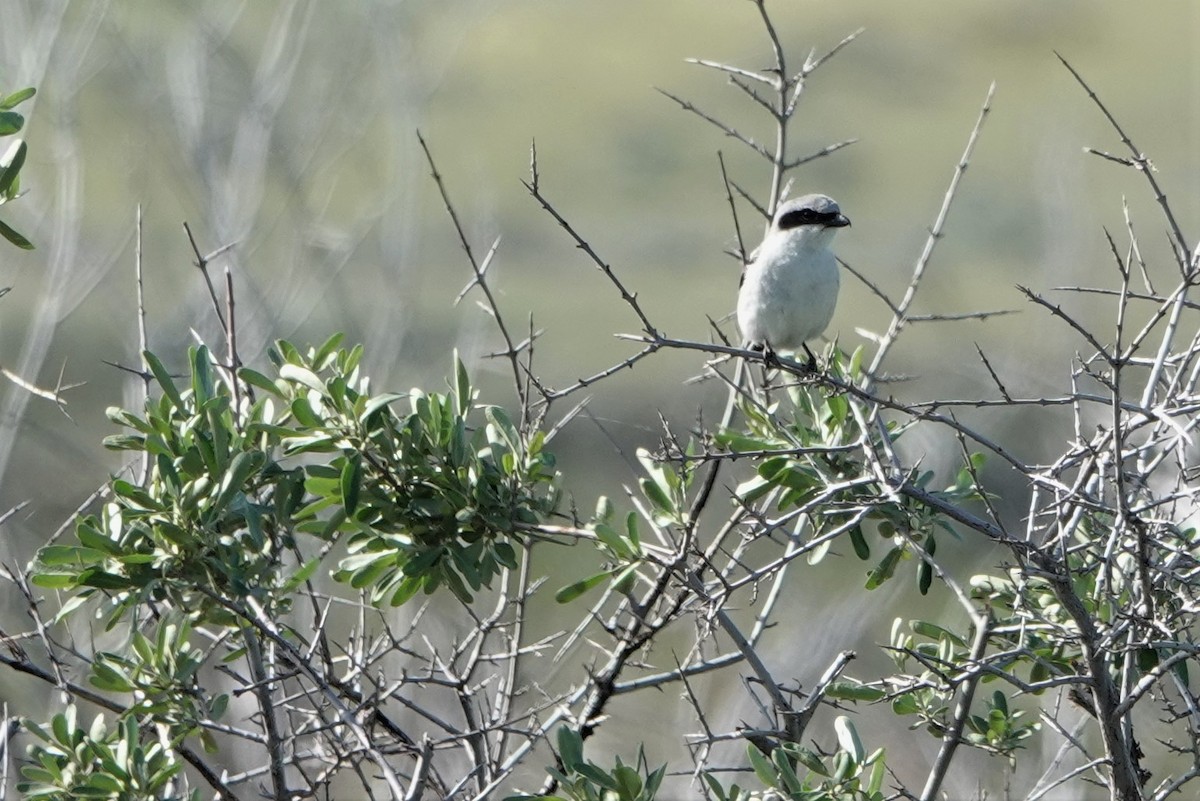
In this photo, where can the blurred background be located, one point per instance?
(288, 129)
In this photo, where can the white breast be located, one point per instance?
(790, 289)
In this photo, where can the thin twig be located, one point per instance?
(900, 318)
(1182, 250)
(143, 341)
(479, 270)
(581, 243)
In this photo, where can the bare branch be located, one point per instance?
(1142, 164)
(899, 319)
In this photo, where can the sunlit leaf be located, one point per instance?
(16, 98)
(848, 738)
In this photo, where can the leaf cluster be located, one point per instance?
(239, 472)
(122, 761)
(12, 160)
(581, 780)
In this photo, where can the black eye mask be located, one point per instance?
(798, 217)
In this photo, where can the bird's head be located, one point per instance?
(815, 217)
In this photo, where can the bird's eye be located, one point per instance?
(798, 217)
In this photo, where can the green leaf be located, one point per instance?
(351, 483)
(783, 767)
(203, 385)
(135, 495)
(848, 738)
(861, 549)
(878, 772)
(90, 537)
(257, 379)
(739, 442)
(405, 591)
(838, 408)
(324, 353)
(856, 360)
(304, 414)
(655, 494)
(715, 786)
(612, 540)
(302, 575)
(13, 237)
(54, 555)
(753, 489)
(422, 561)
(55, 581)
(572, 591)
(1000, 702)
(16, 98)
(809, 760)
(99, 785)
(653, 781)
(241, 468)
(936, 632)
(275, 433)
(376, 403)
(107, 677)
(505, 554)
(660, 485)
(164, 379)
(597, 776)
(604, 509)
(62, 727)
(570, 747)
(629, 783)
(367, 575)
(635, 539)
(124, 442)
(884, 570)
(13, 169)
(103, 580)
(10, 122)
(462, 386)
(763, 767)
(924, 576)
(302, 375)
(128, 419)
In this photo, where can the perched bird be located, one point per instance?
(790, 286)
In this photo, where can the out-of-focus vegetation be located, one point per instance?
(288, 128)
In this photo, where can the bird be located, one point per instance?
(789, 287)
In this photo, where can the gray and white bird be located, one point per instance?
(790, 286)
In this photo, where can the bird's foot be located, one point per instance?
(771, 358)
(811, 364)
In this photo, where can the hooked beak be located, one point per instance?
(840, 221)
